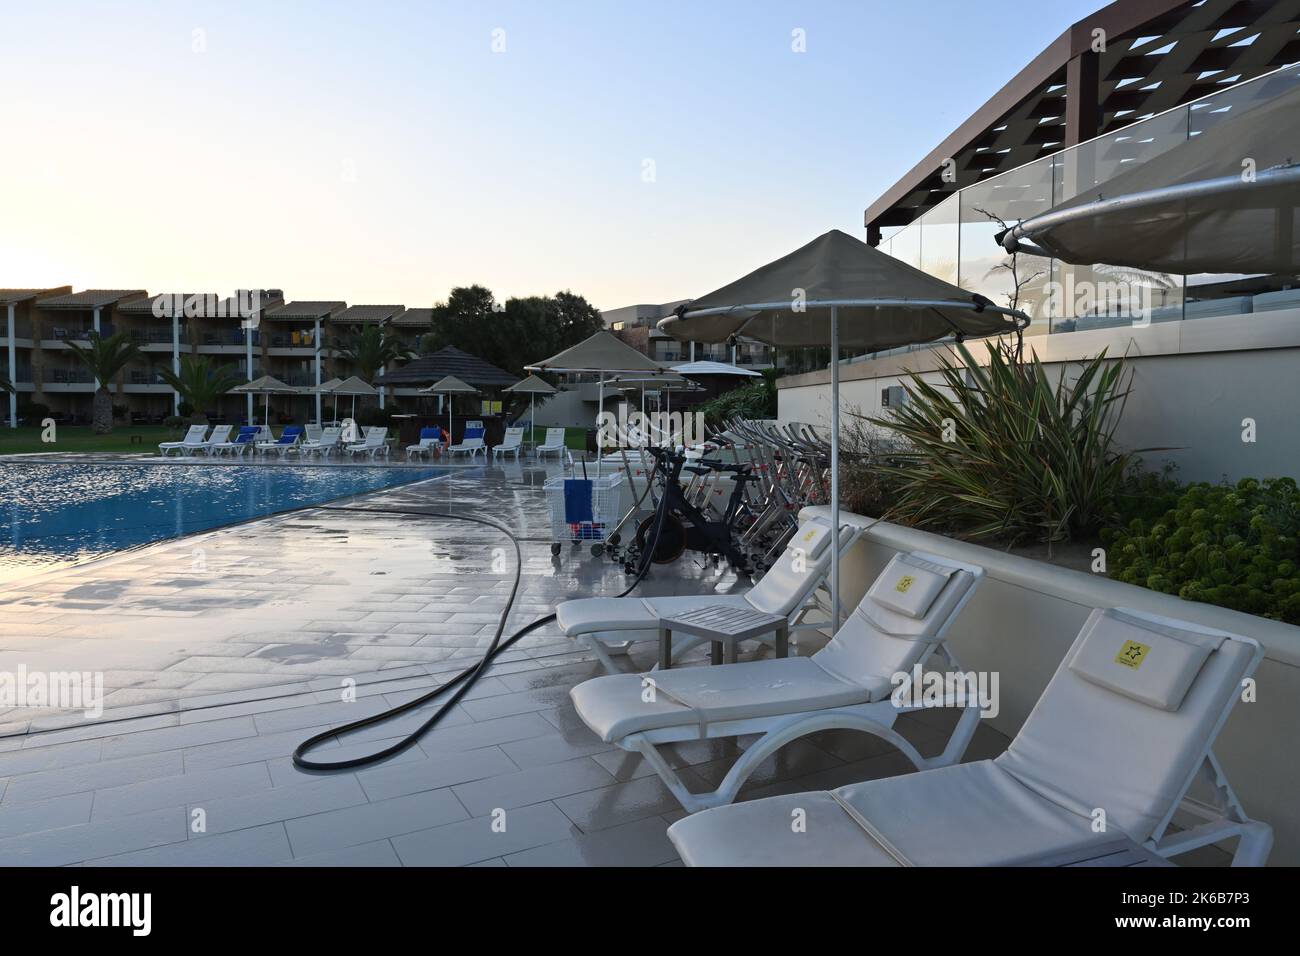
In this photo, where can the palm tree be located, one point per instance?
(371, 349)
(104, 358)
(200, 384)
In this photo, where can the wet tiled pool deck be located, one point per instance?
(222, 651)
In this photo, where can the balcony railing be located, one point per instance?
(227, 337)
(955, 240)
(156, 337)
(295, 340)
(138, 377)
(64, 376)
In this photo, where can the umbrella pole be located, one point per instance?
(532, 419)
(835, 470)
(600, 415)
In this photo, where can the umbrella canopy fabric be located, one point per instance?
(532, 385)
(450, 385)
(882, 302)
(325, 388)
(353, 386)
(601, 352)
(1191, 209)
(266, 385)
(713, 368)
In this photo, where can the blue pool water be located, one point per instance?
(53, 514)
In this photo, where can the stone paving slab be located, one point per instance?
(304, 621)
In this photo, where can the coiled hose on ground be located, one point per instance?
(466, 678)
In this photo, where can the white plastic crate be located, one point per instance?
(606, 508)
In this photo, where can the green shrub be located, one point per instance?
(748, 401)
(1237, 546)
(33, 413)
(1007, 451)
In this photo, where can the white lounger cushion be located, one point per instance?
(781, 590)
(1140, 659)
(589, 615)
(875, 640)
(831, 837)
(972, 814)
(614, 706)
(908, 585)
(1086, 747)
(856, 667)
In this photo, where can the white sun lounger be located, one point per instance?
(788, 588)
(511, 442)
(193, 441)
(848, 684)
(375, 443)
(324, 445)
(554, 443)
(220, 435)
(1110, 751)
(468, 446)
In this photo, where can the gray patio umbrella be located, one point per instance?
(352, 386)
(1195, 208)
(449, 385)
(640, 381)
(800, 299)
(600, 354)
(532, 386)
(714, 368)
(267, 385)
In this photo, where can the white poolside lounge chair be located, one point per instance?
(193, 441)
(511, 442)
(468, 446)
(220, 435)
(788, 588)
(848, 684)
(554, 443)
(1124, 729)
(323, 446)
(375, 443)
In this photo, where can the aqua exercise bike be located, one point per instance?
(679, 525)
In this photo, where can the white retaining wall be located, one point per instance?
(1027, 613)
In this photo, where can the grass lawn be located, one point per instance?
(75, 438)
(574, 438)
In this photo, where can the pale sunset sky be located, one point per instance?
(383, 152)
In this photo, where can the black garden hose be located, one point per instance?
(466, 678)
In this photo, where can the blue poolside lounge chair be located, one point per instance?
(243, 441)
(430, 439)
(290, 437)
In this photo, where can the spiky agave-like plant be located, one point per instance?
(1007, 451)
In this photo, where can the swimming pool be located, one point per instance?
(54, 514)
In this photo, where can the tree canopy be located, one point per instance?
(522, 331)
